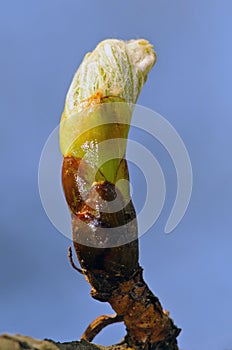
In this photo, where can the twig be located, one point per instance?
(70, 257)
(97, 325)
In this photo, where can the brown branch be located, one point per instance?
(114, 273)
(97, 325)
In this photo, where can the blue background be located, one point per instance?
(42, 44)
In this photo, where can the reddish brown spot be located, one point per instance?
(70, 185)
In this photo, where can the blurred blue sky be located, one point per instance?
(42, 44)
